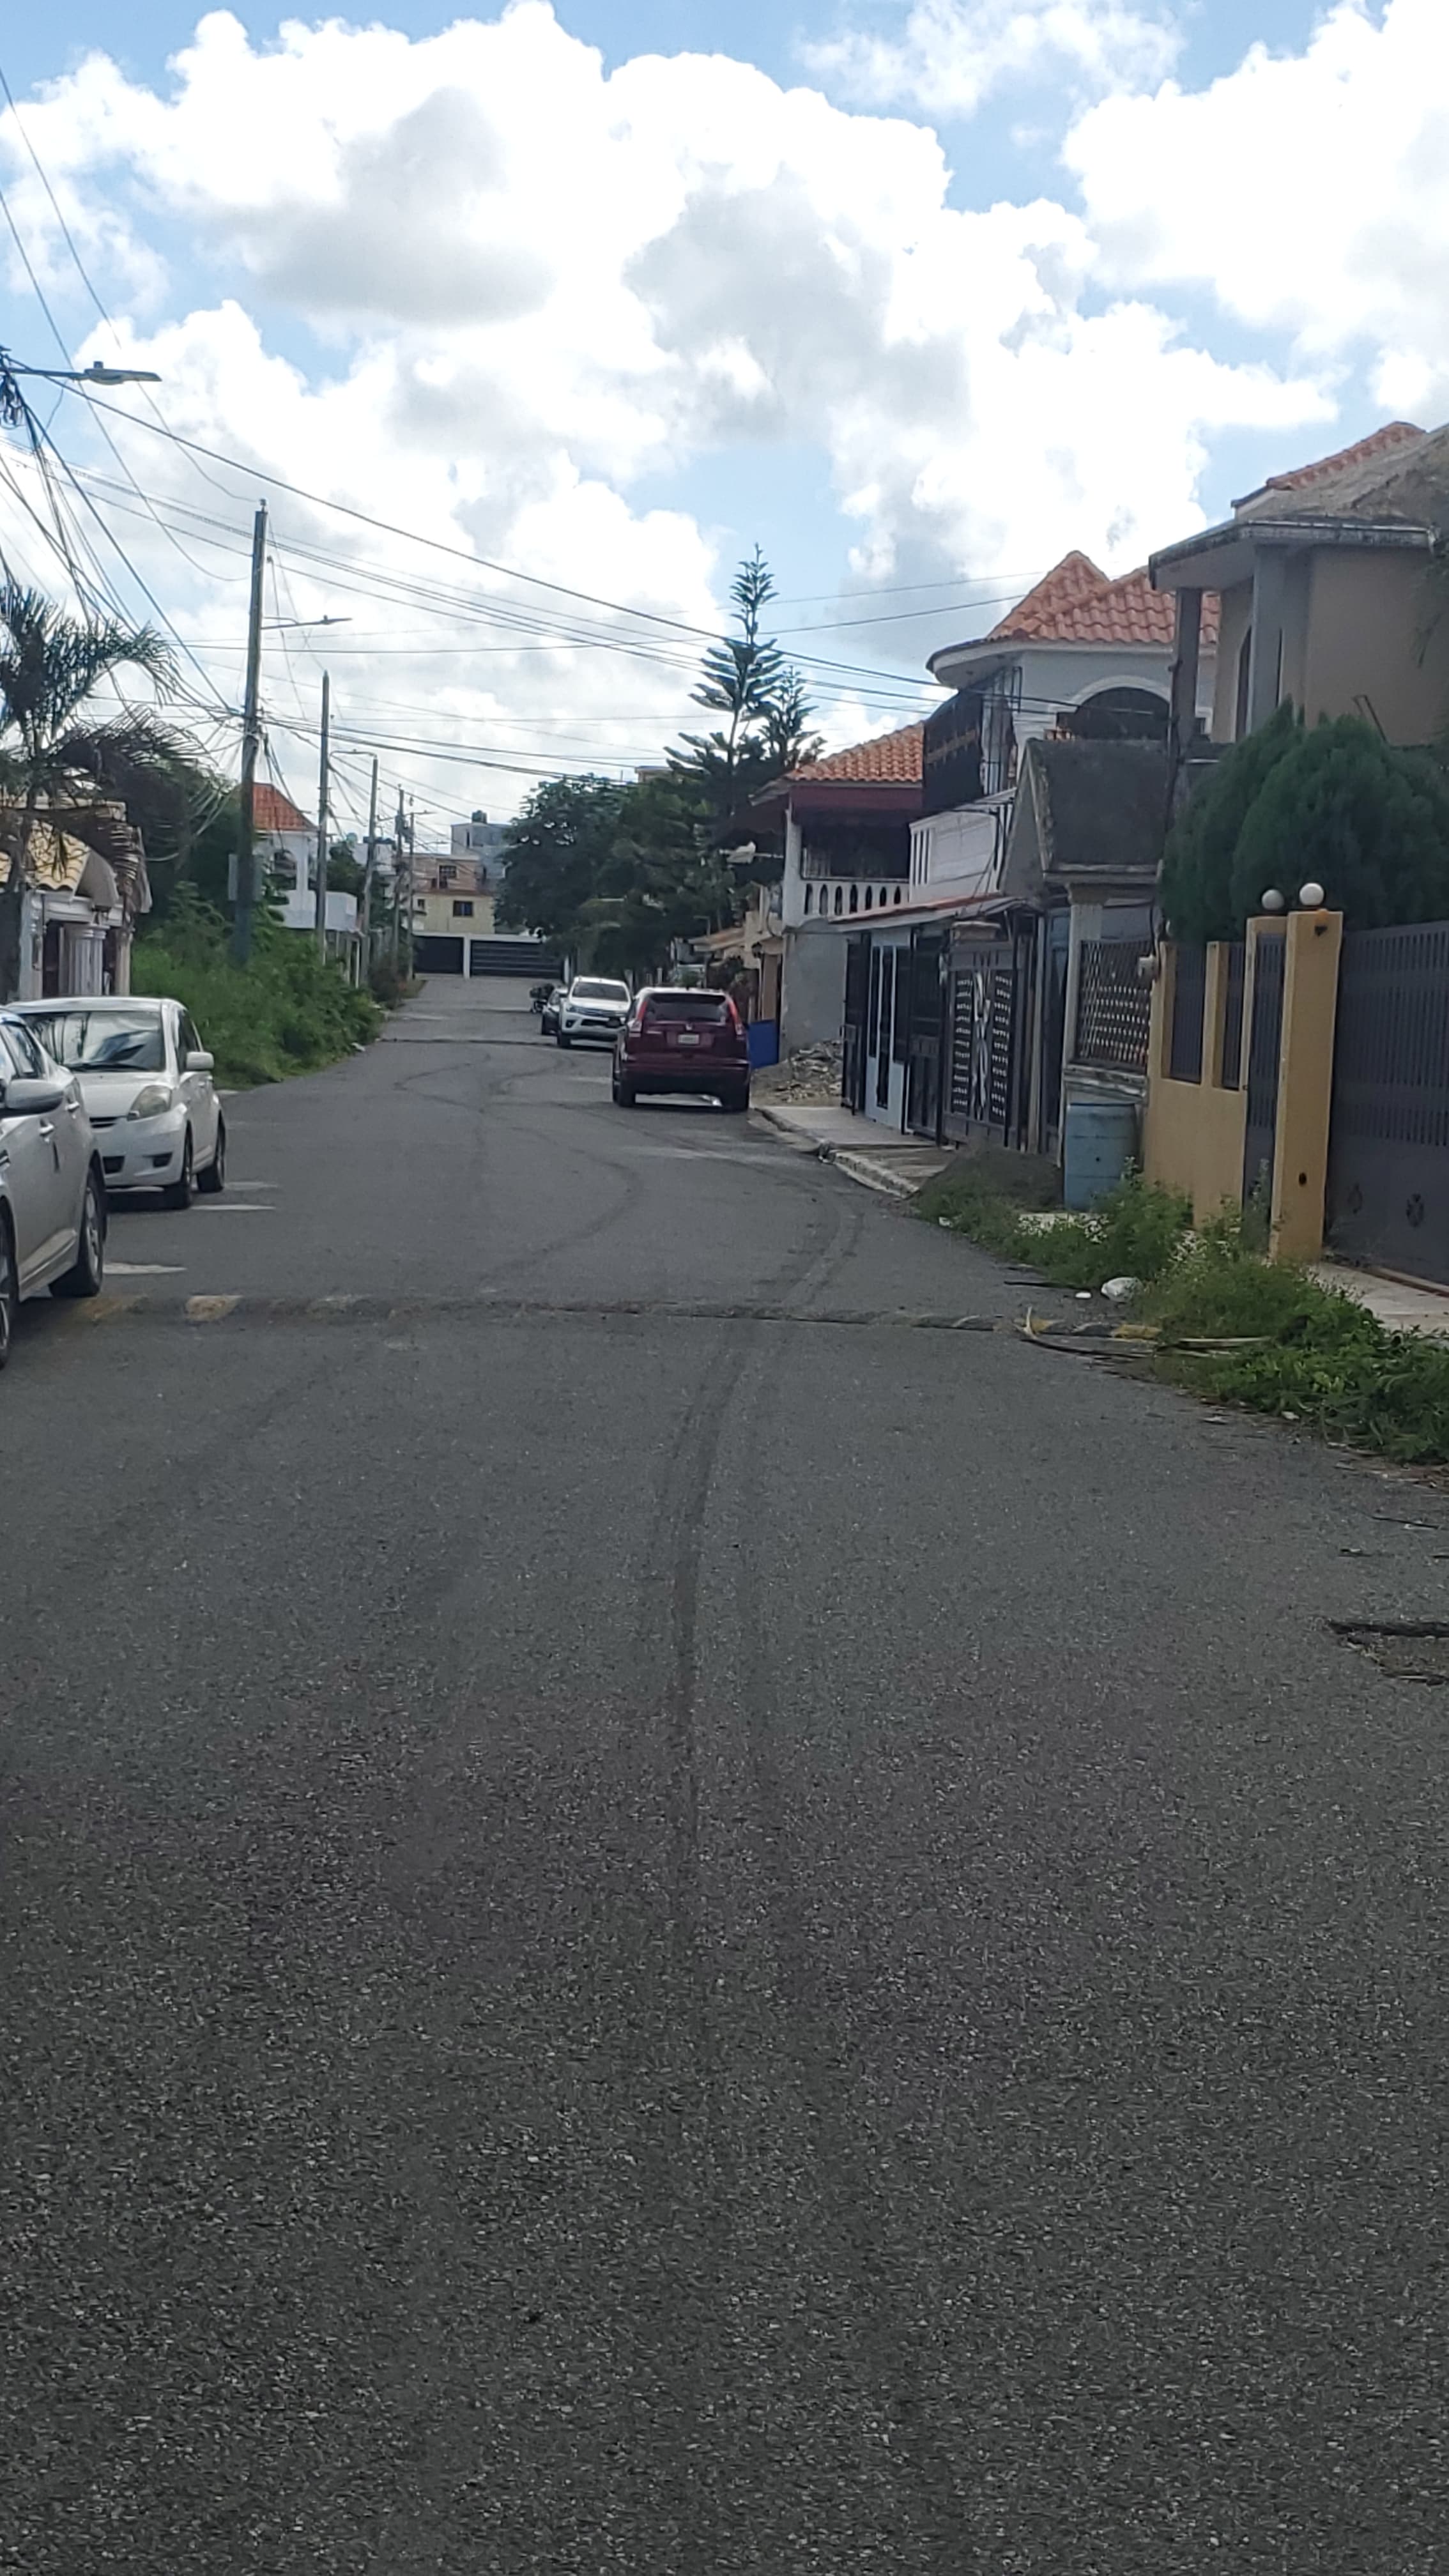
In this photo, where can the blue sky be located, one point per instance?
(1113, 309)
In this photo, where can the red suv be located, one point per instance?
(680, 1040)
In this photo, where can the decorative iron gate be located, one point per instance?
(982, 1057)
(1388, 1148)
(1264, 1044)
(857, 1004)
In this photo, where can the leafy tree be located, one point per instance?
(556, 849)
(345, 870)
(661, 880)
(51, 664)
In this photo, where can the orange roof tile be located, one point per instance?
(1395, 434)
(274, 812)
(893, 759)
(1077, 604)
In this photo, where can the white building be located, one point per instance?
(286, 844)
(1080, 655)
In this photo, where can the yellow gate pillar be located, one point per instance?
(1305, 1085)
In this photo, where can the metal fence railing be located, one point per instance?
(1114, 1007)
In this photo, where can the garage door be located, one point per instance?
(437, 956)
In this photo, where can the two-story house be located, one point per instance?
(1331, 591)
(1080, 655)
(286, 844)
(844, 832)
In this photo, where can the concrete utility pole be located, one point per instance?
(246, 849)
(364, 909)
(320, 915)
(400, 828)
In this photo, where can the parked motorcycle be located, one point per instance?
(537, 998)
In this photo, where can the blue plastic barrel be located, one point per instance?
(1099, 1141)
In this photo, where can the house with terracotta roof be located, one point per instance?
(86, 886)
(286, 844)
(1082, 655)
(843, 828)
(1325, 586)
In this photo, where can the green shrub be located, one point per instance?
(286, 1011)
(1306, 1350)
(1137, 1230)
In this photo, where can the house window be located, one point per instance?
(462, 911)
(1245, 667)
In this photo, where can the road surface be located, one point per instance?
(659, 1922)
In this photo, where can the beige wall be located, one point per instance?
(1305, 1084)
(1193, 1132)
(434, 918)
(1367, 615)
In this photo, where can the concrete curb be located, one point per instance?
(873, 1176)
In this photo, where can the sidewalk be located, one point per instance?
(1399, 1308)
(873, 1155)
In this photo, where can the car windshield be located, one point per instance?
(584, 991)
(688, 1006)
(103, 1041)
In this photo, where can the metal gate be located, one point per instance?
(857, 1005)
(1388, 1147)
(923, 1061)
(1264, 1046)
(982, 1060)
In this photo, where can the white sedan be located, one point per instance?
(146, 1080)
(52, 1197)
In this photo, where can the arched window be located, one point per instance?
(809, 898)
(868, 893)
(855, 898)
(1117, 715)
(840, 898)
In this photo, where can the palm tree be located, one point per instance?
(51, 664)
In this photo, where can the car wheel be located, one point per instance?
(9, 1288)
(212, 1181)
(83, 1279)
(735, 1103)
(562, 1040)
(178, 1194)
(625, 1094)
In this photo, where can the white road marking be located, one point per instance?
(234, 1207)
(144, 1269)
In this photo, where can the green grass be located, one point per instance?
(286, 1011)
(1136, 1232)
(1300, 1350)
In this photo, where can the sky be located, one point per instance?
(540, 302)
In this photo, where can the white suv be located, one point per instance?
(593, 1007)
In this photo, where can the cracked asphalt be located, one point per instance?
(637, 1939)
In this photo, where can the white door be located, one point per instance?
(39, 1156)
(198, 1090)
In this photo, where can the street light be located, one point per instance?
(94, 374)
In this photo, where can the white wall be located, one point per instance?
(957, 849)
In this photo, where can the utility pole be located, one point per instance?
(364, 910)
(400, 826)
(320, 915)
(246, 850)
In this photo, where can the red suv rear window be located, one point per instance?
(687, 1006)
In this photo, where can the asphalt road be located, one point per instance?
(657, 1922)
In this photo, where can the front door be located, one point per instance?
(923, 1061)
(857, 1003)
(1265, 1038)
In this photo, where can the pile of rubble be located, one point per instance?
(810, 1077)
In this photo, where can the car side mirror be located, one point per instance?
(29, 1095)
(198, 1060)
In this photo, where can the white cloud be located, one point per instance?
(1308, 193)
(535, 282)
(950, 55)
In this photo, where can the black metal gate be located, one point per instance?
(981, 1094)
(857, 1007)
(1388, 1149)
(923, 1060)
(1264, 1045)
